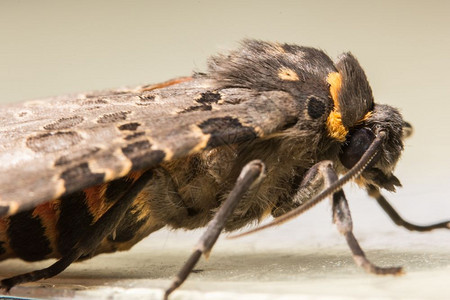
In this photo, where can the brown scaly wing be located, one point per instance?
(56, 146)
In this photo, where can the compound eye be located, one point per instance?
(356, 144)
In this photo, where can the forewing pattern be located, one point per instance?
(56, 146)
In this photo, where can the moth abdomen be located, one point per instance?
(30, 234)
(52, 229)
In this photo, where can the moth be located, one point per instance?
(267, 130)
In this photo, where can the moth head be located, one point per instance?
(356, 120)
(379, 172)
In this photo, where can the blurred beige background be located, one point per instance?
(56, 47)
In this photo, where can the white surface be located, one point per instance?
(56, 47)
(305, 258)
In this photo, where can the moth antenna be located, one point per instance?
(355, 171)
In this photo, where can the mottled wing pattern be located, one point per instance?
(56, 146)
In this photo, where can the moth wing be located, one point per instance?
(52, 147)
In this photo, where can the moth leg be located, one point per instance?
(311, 184)
(102, 228)
(343, 220)
(374, 192)
(251, 174)
(320, 175)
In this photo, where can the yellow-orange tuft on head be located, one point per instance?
(335, 127)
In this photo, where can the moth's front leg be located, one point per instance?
(343, 220)
(374, 192)
(323, 175)
(250, 175)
